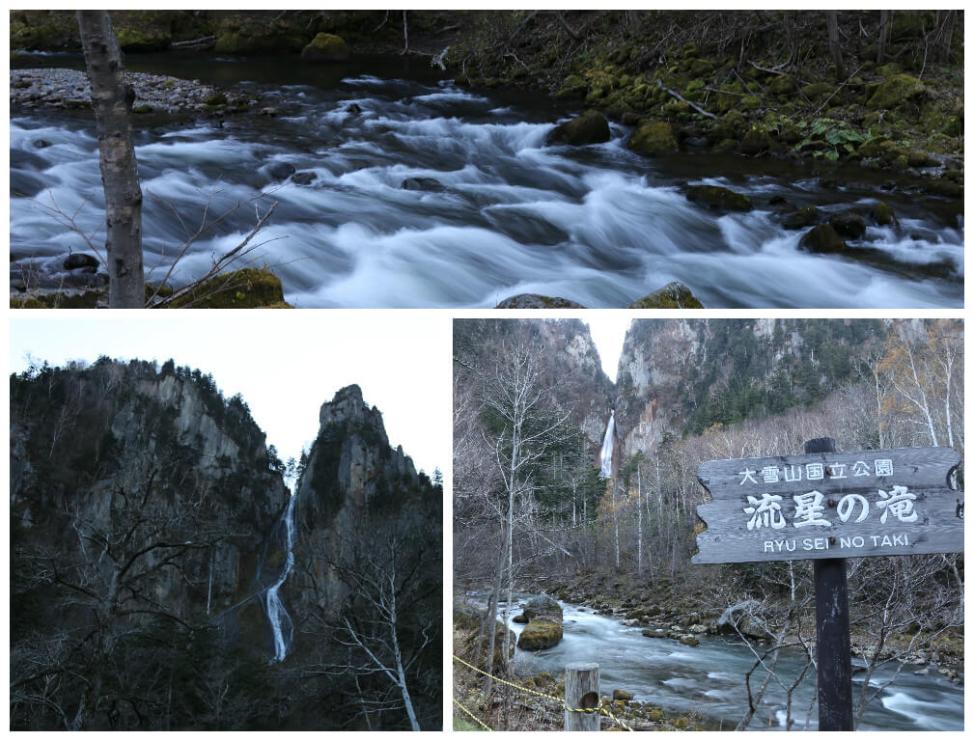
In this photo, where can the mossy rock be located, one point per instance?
(521, 618)
(236, 37)
(622, 695)
(700, 67)
(895, 91)
(540, 634)
(653, 138)
(533, 300)
(801, 218)
(882, 214)
(689, 641)
(247, 288)
(718, 199)
(145, 39)
(326, 47)
(671, 295)
(750, 102)
(217, 98)
(755, 141)
(782, 85)
(823, 239)
(589, 128)
(61, 299)
(848, 224)
(573, 86)
(142, 109)
(816, 90)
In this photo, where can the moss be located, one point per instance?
(246, 288)
(86, 299)
(142, 39)
(823, 239)
(673, 295)
(540, 635)
(783, 85)
(217, 98)
(142, 109)
(245, 36)
(755, 141)
(817, 90)
(326, 47)
(801, 218)
(750, 102)
(895, 91)
(718, 198)
(573, 86)
(653, 138)
(882, 214)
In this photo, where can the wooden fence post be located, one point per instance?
(582, 692)
(833, 653)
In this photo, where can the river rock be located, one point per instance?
(42, 144)
(426, 184)
(280, 170)
(326, 47)
(848, 224)
(882, 214)
(540, 634)
(589, 128)
(689, 640)
(521, 618)
(801, 218)
(81, 261)
(823, 239)
(533, 300)
(718, 199)
(653, 139)
(622, 695)
(304, 178)
(543, 607)
(671, 295)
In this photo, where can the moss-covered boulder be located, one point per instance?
(247, 288)
(848, 224)
(521, 618)
(653, 138)
(540, 634)
(589, 128)
(823, 239)
(783, 85)
(882, 214)
(543, 607)
(533, 300)
(238, 35)
(817, 90)
(139, 39)
(755, 141)
(671, 295)
(801, 218)
(622, 695)
(326, 47)
(718, 199)
(894, 91)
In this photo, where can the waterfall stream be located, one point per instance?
(277, 614)
(605, 456)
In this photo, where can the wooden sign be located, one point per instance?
(831, 505)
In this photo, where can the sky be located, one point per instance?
(285, 364)
(609, 332)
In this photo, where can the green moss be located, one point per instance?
(822, 239)
(142, 39)
(142, 109)
(589, 128)
(750, 102)
(895, 91)
(783, 85)
(217, 98)
(882, 214)
(540, 635)
(817, 90)
(653, 138)
(573, 86)
(673, 295)
(86, 299)
(718, 198)
(246, 288)
(326, 47)
(801, 218)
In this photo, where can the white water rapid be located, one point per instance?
(606, 455)
(276, 613)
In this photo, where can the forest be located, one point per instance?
(573, 565)
(601, 158)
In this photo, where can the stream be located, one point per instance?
(501, 213)
(708, 680)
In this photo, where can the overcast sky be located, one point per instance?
(285, 364)
(609, 332)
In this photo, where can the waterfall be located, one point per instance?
(276, 613)
(606, 454)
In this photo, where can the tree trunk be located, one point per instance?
(835, 48)
(884, 17)
(111, 99)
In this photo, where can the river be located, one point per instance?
(598, 225)
(708, 680)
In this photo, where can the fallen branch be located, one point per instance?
(836, 91)
(202, 41)
(682, 99)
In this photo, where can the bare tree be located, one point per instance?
(112, 99)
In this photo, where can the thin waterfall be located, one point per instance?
(277, 615)
(606, 454)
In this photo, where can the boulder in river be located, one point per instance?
(304, 178)
(717, 198)
(671, 295)
(533, 300)
(81, 261)
(540, 634)
(521, 618)
(882, 214)
(653, 138)
(801, 218)
(326, 47)
(823, 239)
(543, 607)
(426, 184)
(848, 224)
(622, 695)
(589, 128)
(280, 170)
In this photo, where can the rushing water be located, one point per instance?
(605, 456)
(709, 680)
(281, 626)
(597, 224)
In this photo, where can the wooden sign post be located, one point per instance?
(829, 506)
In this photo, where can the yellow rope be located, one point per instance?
(472, 716)
(604, 711)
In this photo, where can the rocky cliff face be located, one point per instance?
(112, 459)
(352, 480)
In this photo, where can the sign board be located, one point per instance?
(831, 505)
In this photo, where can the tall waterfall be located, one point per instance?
(276, 613)
(606, 455)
